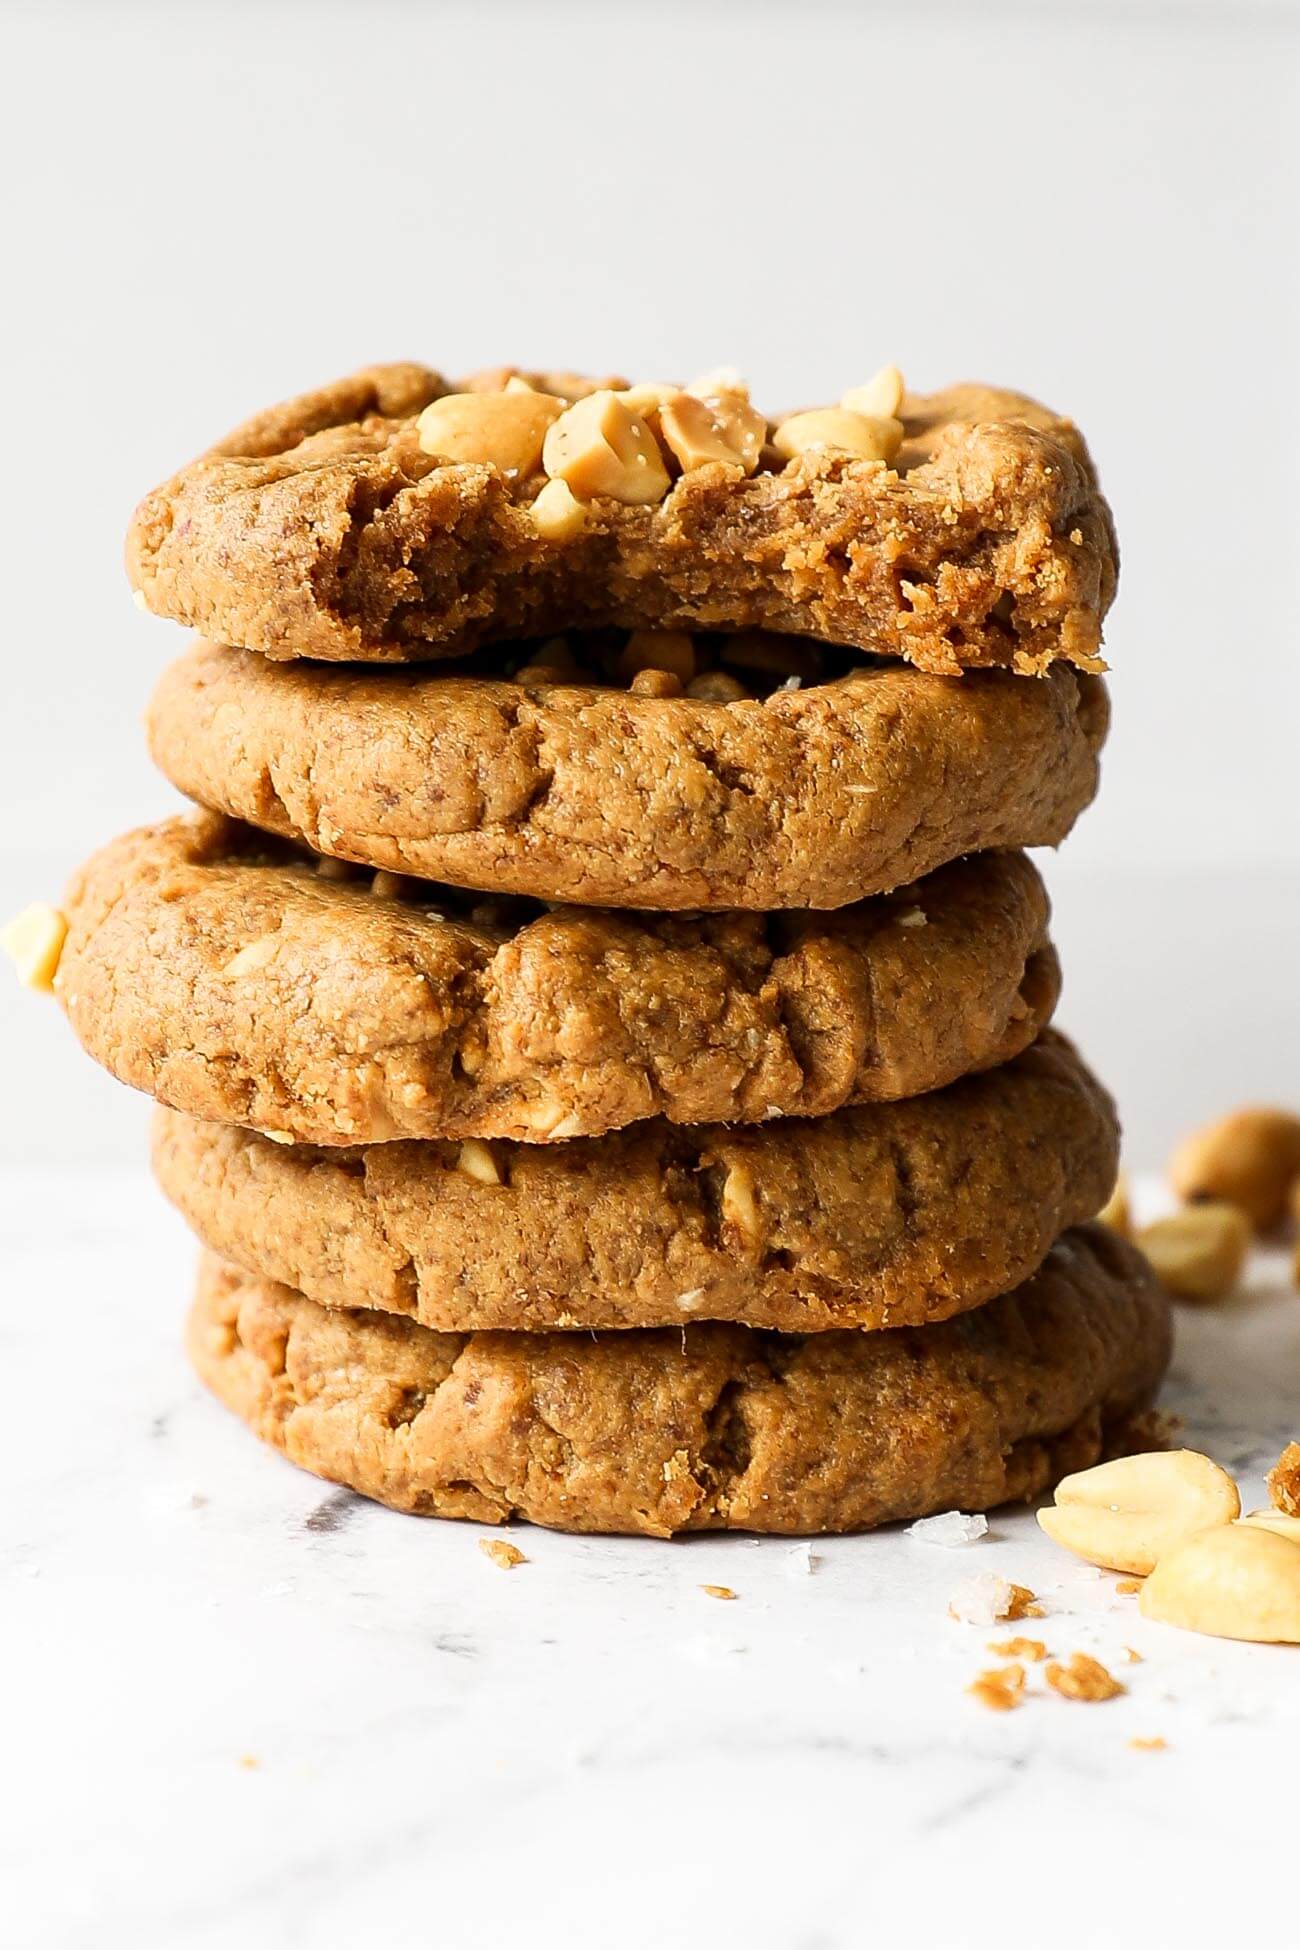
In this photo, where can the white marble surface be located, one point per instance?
(242, 1708)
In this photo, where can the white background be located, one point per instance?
(213, 206)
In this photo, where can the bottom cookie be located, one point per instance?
(708, 1427)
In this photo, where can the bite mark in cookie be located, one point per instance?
(326, 528)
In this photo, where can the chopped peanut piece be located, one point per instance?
(724, 429)
(866, 437)
(1000, 1689)
(504, 429)
(34, 942)
(740, 1205)
(475, 1161)
(557, 513)
(600, 448)
(1083, 1678)
(1250, 1160)
(655, 683)
(880, 398)
(1198, 1253)
(506, 1555)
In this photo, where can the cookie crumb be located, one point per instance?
(506, 1555)
(1134, 1658)
(1152, 1745)
(249, 1761)
(1128, 1587)
(1083, 1678)
(1284, 1481)
(717, 1590)
(1031, 1649)
(1001, 1688)
(989, 1599)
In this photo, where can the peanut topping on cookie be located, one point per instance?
(557, 513)
(865, 436)
(600, 447)
(723, 428)
(505, 429)
(880, 398)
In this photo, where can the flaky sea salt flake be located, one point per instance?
(951, 1529)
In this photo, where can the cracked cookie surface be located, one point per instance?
(877, 1215)
(707, 1428)
(321, 529)
(222, 972)
(814, 797)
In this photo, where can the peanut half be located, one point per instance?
(1275, 1520)
(867, 436)
(1251, 1158)
(1198, 1253)
(1124, 1515)
(505, 429)
(1237, 1581)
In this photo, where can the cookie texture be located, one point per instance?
(808, 798)
(875, 1216)
(707, 1428)
(218, 970)
(320, 529)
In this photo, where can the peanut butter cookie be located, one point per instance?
(880, 1215)
(239, 978)
(375, 520)
(810, 797)
(705, 1427)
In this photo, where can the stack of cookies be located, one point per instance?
(601, 1014)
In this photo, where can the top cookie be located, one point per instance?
(960, 529)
